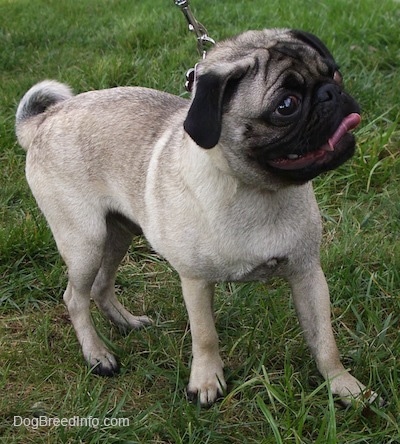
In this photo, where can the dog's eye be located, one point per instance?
(288, 106)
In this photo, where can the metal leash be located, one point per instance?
(204, 41)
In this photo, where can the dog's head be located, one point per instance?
(273, 101)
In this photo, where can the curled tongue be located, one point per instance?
(348, 123)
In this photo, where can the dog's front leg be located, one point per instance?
(206, 378)
(311, 298)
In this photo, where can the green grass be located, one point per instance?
(276, 394)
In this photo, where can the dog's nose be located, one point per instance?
(327, 92)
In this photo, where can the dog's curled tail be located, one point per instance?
(35, 102)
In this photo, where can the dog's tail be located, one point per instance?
(34, 103)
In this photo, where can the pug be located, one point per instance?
(219, 185)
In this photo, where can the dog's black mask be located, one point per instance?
(319, 141)
(320, 120)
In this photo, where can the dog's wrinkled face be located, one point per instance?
(274, 102)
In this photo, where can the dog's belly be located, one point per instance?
(261, 273)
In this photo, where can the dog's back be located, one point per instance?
(44, 100)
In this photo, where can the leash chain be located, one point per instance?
(204, 41)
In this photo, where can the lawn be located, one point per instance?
(276, 394)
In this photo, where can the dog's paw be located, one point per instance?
(126, 325)
(136, 322)
(207, 384)
(365, 398)
(351, 391)
(103, 363)
(118, 314)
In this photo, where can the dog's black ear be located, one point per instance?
(313, 41)
(204, 119)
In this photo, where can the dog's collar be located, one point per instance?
(190, 78)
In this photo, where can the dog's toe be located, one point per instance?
(369, 397)
(207, 383)
(206, 394)
(106, 365)
(206, 398)
(191, 395)
(140, 321)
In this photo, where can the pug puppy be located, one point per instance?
(219, 185)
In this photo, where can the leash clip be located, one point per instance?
(204, 41)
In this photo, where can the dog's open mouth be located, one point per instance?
(324, 154)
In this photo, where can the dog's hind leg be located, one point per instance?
(119, 237)
(82, 247)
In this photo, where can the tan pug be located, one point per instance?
(219, 185)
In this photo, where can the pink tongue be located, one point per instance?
(348, 123)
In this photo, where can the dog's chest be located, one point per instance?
(223, 233)
(239, 248)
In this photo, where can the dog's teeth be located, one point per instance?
(292, 156)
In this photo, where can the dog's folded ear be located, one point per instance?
(313, 41)
(204, 118)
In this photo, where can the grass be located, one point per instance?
(276, 394)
